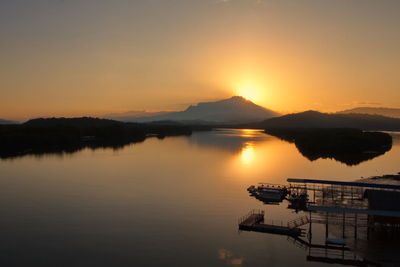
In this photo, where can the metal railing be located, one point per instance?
(298, 222)
(250, 213)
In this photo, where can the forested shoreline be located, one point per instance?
(67, 135)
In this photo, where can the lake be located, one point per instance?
(163, 202)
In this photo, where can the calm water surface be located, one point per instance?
(171, 202)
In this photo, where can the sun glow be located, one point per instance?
(247, 154)
(248, 92)
(250, 89)
(249, 132)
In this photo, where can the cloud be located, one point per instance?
(228, 257)
(362, 103)
(228, 1)
(367, 103)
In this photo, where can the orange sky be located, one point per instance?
(74, 58)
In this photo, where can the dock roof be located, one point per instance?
(342, 183)
(386, 213)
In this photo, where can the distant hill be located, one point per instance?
(349, 146)
(314, 119)
(233, 110)
(68, 135)
(7, 122)
(388, 112)
(134, 115)
(76, 122)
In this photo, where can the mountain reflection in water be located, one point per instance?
(170, 202)
(245, 142)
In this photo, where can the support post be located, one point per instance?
(310, 230)
(355, 226)
(344, 222)
(326, 225)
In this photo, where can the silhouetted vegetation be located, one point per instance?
(7, 122)
(350, 146)
(314, 119)
(64, 135)
(395, 177)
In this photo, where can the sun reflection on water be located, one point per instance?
(249, 132)
(247, 153)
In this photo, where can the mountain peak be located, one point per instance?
(239, 98)
(310, 113)
(235, 109)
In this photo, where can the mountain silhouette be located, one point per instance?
(233, 110)
(315, 119)
(7, 122)
(388, 112)
(134, 115)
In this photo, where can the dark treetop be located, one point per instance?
(59, 135)
(349, 146)
(314, 119)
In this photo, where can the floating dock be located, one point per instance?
(349, 211)
(254, 221)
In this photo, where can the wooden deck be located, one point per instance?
(253, 221)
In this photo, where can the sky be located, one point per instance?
(94, 57)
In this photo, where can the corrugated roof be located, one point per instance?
(356, 184)
(386, 213)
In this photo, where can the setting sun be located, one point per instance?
(248, 92)
(251, 87)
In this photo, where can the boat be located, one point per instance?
(298, 197)
(298, 201)
(268, 193)
(252, 189)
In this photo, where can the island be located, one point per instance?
(349, 146)
(68, 135)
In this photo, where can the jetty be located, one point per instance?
(347, 211)
(254, 221)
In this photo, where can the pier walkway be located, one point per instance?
(253, 221)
